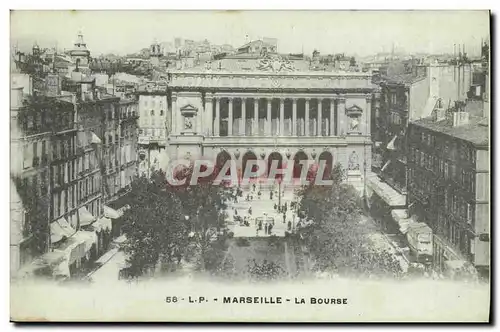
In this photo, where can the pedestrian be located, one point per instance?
(270, 229)
(271, 195)
(265, 228)
(254, 187)
(286, 206)
(289, 225)
(284, 217)
(260, 224)
(275, 206)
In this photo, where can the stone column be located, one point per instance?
(230, 119)
(320, 117)
(255, 129)
(208, 123)
(268, 120)
(341, 126)
(306, 118)
(294, 117)
(175, 122)
(243, 116)
(332, 117)
(282, 117)
(217, 117)
(367, 114)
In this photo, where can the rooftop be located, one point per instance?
(253, 63)
(402, 78)
(476, 131)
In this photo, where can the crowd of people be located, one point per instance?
(265, 223)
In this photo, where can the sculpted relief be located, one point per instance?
(353, 162)
(188, 123)
(275, 63)
(354, 124)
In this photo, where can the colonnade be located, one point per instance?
(274, 116)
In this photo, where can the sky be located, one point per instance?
(359, 33)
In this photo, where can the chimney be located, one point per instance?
(460, 118)
(439, 112)
(16, 97)
(76, 76)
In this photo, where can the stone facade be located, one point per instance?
(260, 113)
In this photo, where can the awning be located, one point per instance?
(111, 213)
(385, 165)
(95, 139)
(86, 218)
(60, 229)
(391, 145)
(386, 192)
(102, 224)
(74, 248)
(401, 217)
(124, 208)
(50, 260)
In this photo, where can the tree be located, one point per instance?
(35, 213)
(331, 230)
(204, 204)
(167, 223)
(267, 270)
(154, 225)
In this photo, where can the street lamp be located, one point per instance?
(191, 234)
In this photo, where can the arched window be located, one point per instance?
(152, 112)
(161, 112)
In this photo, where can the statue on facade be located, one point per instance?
(354, 124)
(275, 63)
(353, 162)
(188, 123)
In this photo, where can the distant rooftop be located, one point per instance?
(402, 78)
(244, 62)
(476, 131)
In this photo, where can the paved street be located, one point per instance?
(261, 208)
(384, 242)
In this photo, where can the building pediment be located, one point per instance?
(188, 110)
(354, 110)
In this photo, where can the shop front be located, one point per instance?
(449, 262)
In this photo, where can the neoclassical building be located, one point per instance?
(270, 108)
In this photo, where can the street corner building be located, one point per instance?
(431, 161)
(74, 149)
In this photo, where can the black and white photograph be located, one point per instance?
(249, 166)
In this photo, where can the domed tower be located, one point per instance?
(155, 53)
(80, 54)
(36, 58)
(36, 50)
